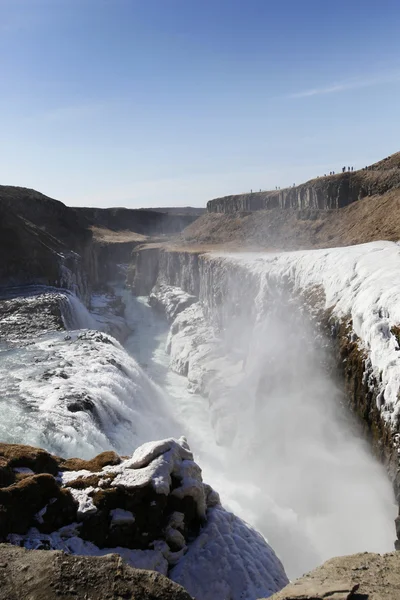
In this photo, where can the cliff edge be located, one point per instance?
(323, 193)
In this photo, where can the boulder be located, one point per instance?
(364, 576)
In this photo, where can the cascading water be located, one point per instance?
(77, 393)
(75, 315)
(273, 436)
(269, 436)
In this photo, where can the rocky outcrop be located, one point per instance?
(358, 577)
(152, 509)
(43, 575)
(329, 192)
(25, 316)
(170, 300)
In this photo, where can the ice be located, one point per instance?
(243, 567)
(121, 517)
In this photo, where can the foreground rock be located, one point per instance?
(363, 576)
(42, 575)
(152, 509)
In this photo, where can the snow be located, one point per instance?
(84, 499)
(360, 282)
(172, 300)
(119, 516)
(154, 463)
(243, 566)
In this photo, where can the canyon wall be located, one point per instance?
(326, 193)
(143, 221)
(229, 290)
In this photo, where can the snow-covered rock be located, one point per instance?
(170, 299)
(153, 509)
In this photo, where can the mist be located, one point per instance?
(308, 480)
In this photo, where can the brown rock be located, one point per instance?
(20, 502)
(363, 576)
(19, 455)
(47, 575)
(309, 590)
(95, 464)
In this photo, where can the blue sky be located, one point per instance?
(173, 102)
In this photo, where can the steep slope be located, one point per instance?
(372, 218)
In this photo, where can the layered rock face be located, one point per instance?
(153, 509)
(331, 192)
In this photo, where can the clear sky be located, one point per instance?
(173, 102)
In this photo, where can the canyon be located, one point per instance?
(280, 369)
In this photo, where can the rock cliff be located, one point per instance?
(329, 192)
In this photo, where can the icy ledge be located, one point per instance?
(152, 508)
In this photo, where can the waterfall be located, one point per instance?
(74, 314)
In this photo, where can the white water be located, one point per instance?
(294, 469)
(292, 463)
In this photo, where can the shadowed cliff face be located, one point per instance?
(147, 222)
(324, 193)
